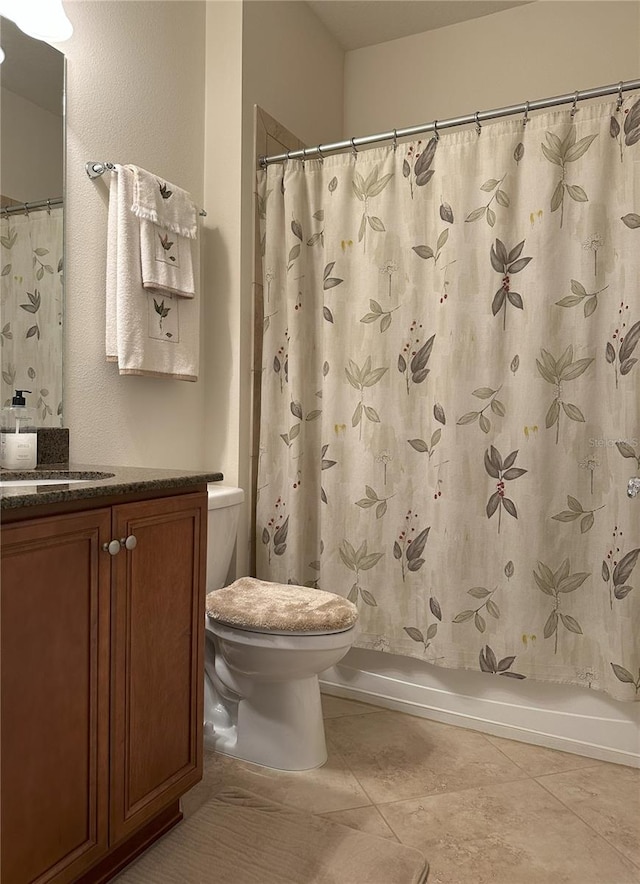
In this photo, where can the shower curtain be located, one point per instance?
(31, 323)
(450, 411)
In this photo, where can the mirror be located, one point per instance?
(31, 221)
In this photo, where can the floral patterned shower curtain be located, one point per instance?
(450, 406)
(31, 297)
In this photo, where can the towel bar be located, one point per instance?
(95, 170)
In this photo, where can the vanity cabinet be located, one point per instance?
(101, 697)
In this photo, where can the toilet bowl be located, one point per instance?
(265, 644)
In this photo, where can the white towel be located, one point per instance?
(148, 334)
(166, 259)
(164, 203)
(168, 220)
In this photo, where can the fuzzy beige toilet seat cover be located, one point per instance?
(276, 607)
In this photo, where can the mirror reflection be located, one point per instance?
(31, 221)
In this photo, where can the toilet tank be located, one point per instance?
(224, 510)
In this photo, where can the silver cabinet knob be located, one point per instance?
(129, 542)
(113, 547)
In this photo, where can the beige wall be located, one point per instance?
(224, 342)
(293, 68)
(32, 148)
(532, 51)
(135, 94)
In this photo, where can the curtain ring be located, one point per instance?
(575, 103)
(525, 119)
(354, 149)
(478, 126)
(320, 154)
(48, 207)
(620, 99)
(288, 155)
(26, 210)
(395, 140)
(435, 130)
(304, 156)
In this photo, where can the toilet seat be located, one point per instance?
(256, 606)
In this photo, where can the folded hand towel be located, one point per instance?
(154, 335)
(166, 205)
(167, 264)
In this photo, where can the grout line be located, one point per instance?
(389, 826)
(551, 774)
(353, 774)
(422, 797)
(349, 715)
(586, 823)
(504, 754)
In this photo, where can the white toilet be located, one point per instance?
(264, 647)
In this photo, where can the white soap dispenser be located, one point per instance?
(18, 439)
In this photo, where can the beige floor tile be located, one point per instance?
(538, 760)
(331, 787)
(512, 833)
(607, 797)
(398, 756)
(333, 707)
(366, 819)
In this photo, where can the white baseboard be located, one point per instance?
(563, 717)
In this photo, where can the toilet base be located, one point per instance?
(280, 726)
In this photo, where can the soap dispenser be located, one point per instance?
(18, 437)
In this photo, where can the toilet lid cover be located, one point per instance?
(277, 607)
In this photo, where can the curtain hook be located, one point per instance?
(525, 119)
(395, 140)
(320, 154)
(620, 99)
(304, 156)
(288, 156)
(435, 130)
(575, 104)
(478, 126)
(26, 210)
(48, 207)
(354, 149)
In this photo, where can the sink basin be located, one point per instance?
(18, 479)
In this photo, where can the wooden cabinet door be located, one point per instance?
(54, 707)
(157, 657)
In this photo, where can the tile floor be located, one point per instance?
(482, 809)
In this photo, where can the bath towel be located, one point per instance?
(168, 223)
(146, 333)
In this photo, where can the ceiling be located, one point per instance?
(358, 23)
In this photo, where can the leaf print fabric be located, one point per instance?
(31, 303)
(450, 414)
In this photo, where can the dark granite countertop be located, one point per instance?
(120, 480)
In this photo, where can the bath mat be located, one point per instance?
(240, 838)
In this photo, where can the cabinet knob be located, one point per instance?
(113, 547)
(129, 542)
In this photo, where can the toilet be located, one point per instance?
(265, 644)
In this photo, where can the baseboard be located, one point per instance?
(544, 715)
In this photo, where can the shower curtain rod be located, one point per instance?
(437, 125)
(25, 208)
